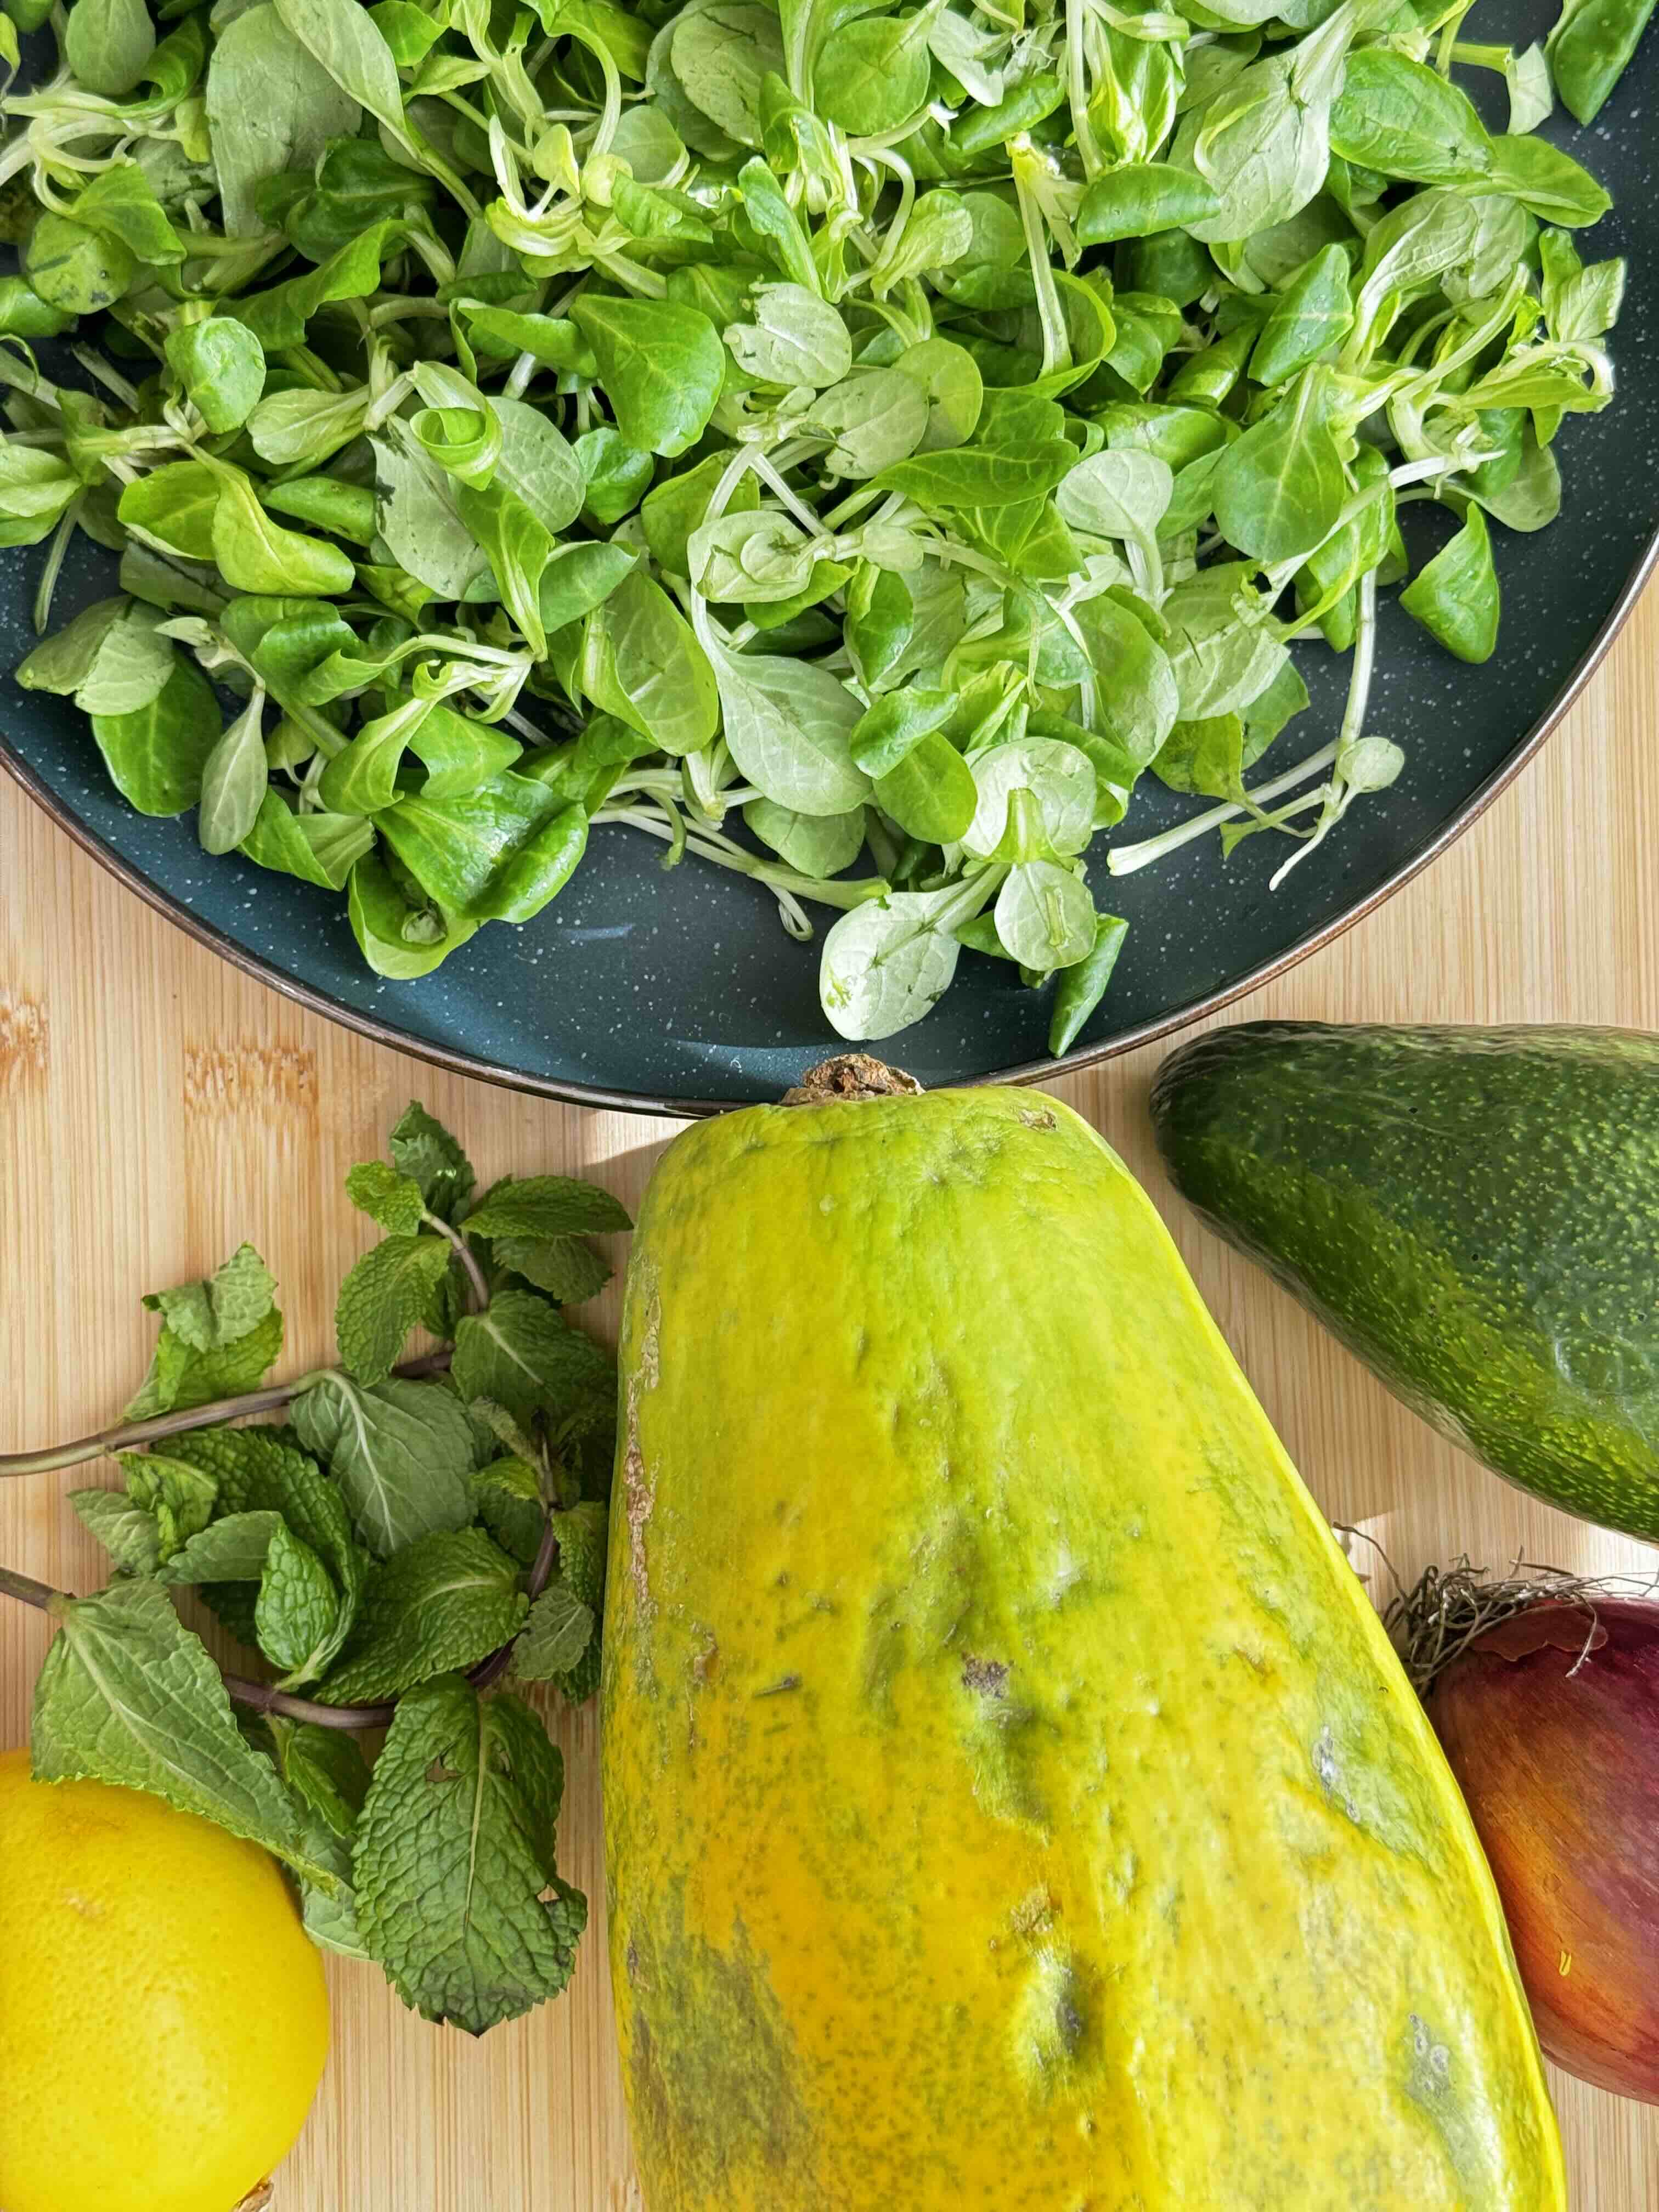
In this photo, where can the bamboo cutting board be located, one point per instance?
(156, 1107)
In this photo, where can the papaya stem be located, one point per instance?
(851, 1075)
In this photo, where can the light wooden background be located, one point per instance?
(155, 1108)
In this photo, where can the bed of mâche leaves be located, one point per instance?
(886, 433)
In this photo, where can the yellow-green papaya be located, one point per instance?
(1013, 1802)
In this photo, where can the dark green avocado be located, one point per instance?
(1474, 1211)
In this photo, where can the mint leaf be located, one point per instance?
(180, 1377)
(522, 1354)
(263, 1470)
(401, 1451)
(496, 1422)
(563, 1267)
(180, 1497)
(127, 1532)
(580, 1450)
(234, 1299)
(559, 1630)
(424, 1148)
(451, 1296)
(327, 1772)
(170, 1364)
(128, 1696)
(437, 1606)
(331, 1915)
(324, 1768)
(454, 1859)
(392, 1199)
(298, 1611)
(546, 1205)
(218, 1337)
(383, 1297)
(245, 1463)
(232, 1605)
(229, 1550)
(507, 1494)
(583, 1536)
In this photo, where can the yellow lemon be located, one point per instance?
(163, 2021)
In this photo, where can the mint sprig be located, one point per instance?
(129, 1695)
(416, 1528)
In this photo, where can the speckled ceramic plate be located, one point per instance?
(680, 993)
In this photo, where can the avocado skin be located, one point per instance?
(1473, 1212)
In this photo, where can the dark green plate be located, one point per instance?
(679, 991)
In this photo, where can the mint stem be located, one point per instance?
(490, 1670)
(27, 1590)
(129, 1435)
(475, 1274)
(261, 1698)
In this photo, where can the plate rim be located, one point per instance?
(599, 1099)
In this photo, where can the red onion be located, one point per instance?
(1550, 1719)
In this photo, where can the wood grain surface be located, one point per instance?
(156, 1107)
